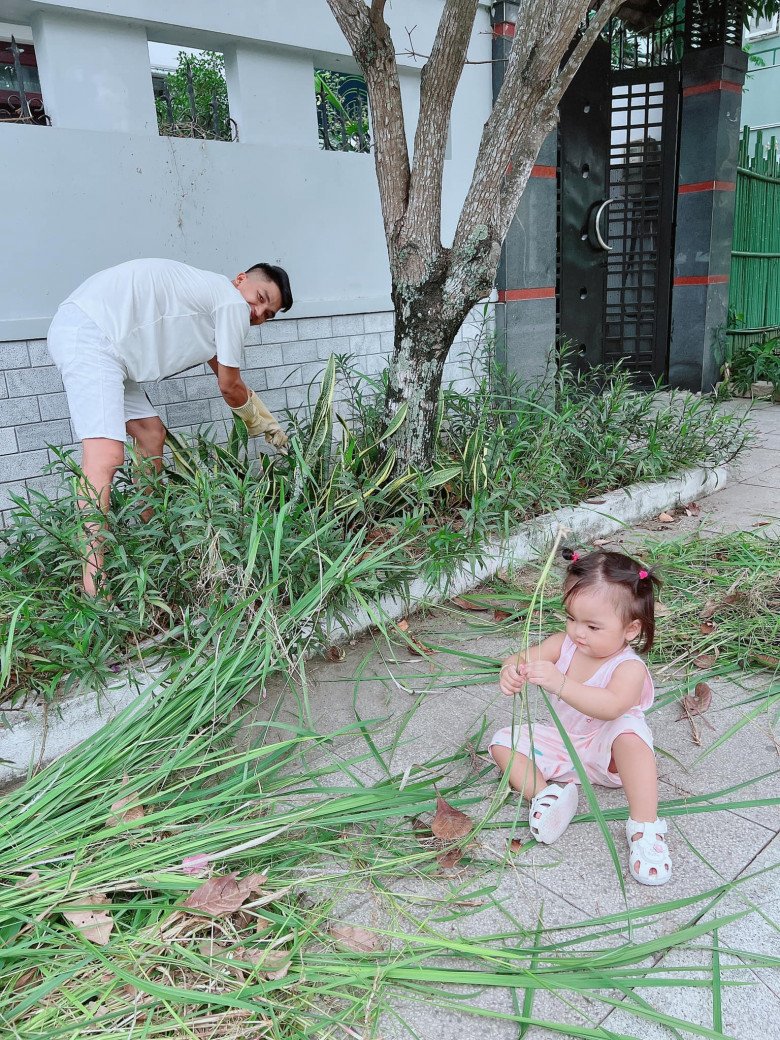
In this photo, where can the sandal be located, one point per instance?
(649, 861)
(551, 812)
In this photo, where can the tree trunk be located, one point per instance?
(424, 333)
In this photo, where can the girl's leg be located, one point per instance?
(635, 763)
(524, 777)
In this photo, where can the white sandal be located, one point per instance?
(648, 852)
(555, 806)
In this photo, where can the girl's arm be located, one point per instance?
(623, 692)
(513, 678)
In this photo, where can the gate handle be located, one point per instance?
(597, 221)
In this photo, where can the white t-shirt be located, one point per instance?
(163, 317)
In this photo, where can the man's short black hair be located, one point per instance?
(278, 276)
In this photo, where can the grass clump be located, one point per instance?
(227, 526)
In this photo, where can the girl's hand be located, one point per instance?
(544, 674)
(511, 679)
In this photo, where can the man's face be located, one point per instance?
(260, 293)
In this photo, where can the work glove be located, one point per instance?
(260, 421)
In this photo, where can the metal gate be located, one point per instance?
(617, 186)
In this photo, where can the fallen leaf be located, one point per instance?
(661, 610)
(27, 882)
(355, 938)
(466, 604)
(594, 501)
(223, 895)
(403, 625)
(449, 824)
(692, 509)
(707, 628)
(761, 523)
(195, 865)
(698, 702)
(335, 654)
(95, 925)
(767, 660)
(274, 964)
(450, 859)
(601, 541)
(515, 845)
(502, 575)
(416, 647)
(705, 661)
(665, 518)
(709, 608)
(500, 615)
(126, 809)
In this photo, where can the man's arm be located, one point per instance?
(231, 385)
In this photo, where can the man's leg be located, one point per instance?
(101, 458)
(149, 438)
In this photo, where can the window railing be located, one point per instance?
(21, 100)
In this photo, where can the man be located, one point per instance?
(147, 320)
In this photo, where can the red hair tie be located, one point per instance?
(575, 556)
(644, 574)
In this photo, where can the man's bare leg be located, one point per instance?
(149, 437)
(101, 458)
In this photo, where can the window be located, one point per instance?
(758, 28)
(342, 111)
(21, 100)
(190, 93)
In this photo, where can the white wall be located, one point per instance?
(78, 200)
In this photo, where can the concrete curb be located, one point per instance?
(44, 736)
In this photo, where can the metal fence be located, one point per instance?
(192, 115)
(754, 293)
(20, 93)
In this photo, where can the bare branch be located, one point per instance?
(370, 41)
(595, 26)
(438, 83)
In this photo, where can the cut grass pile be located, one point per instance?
(134, 822)
(226, 527)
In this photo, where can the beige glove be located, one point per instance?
(260, 421)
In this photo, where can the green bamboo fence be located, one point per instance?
(754, 294)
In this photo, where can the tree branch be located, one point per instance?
(369, 40)
(438, 84)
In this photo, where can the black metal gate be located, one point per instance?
(617, 186)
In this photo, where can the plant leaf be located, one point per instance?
(95, 925)
(450, 824)
(355, 938)
(225, 894)
(698, 702)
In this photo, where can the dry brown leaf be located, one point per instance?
(768, 660)
(224, 895)
(515, 845)
(501, 615)
(661, 610)
(274, 964)
(418, 648)
(126, 809)
(665, 518)
(601, 542)
(355, 938)
(95, 925)
(761, 523)
(403, 625)
(705, 661)
(450, 859)
(698, 702)
(692, 509)
(27, 882)
(334, 654)
(465, 604)
(707, 628)
(449, 824)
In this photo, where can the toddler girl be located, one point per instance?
(601, 689)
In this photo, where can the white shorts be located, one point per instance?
(101, 397)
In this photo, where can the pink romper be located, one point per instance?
(592, 738)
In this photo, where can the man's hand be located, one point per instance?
(260, 421)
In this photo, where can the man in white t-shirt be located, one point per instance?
(146, 320)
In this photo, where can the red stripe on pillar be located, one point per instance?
(701, 279)
(685, 189)
(710, 88)
(544, 171)
(511, 295)
(504, 29)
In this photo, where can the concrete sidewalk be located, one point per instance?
(442, 708)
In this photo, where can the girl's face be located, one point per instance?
(594, 624)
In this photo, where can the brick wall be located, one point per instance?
(281, 359)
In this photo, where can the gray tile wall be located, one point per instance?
(281, 360)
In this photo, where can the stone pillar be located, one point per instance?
(271, 95)
(525, 314)
(709, 143)
(95, 72)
